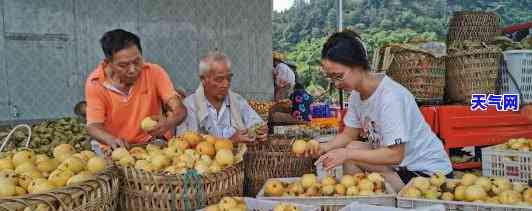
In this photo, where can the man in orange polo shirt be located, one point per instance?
(123, 90)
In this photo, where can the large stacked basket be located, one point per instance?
(420, 72)
(98, 194)
(473, 26)
(143, 190)
(271, 160)
(472, 70)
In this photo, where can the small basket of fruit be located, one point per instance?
(273, 159)
(68, 180)
(329, 193)
(468, 193)
(189, 172)
(512, 159)
(252, 204)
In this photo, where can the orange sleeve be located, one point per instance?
(95, 103)
(165, 88)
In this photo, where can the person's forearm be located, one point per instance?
(178, 112)
(339, 141)
(98, 132)
(381, 156)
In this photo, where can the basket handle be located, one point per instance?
(6, 139)
(521, 102)
(387, 59)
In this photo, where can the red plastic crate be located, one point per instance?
(461, 127)
(430, 113)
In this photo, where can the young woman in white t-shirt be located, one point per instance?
(400, 144)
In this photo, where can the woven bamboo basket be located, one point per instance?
(473, 26)
(272, 160)
(472, 71)
(420, 72)
(98, 194)
(142, 190)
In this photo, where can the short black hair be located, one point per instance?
(346, 48)
(117, 40)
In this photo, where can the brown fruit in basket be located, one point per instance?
(192, 138)
(312, 191)
(447, 196)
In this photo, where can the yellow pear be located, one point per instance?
(42, 187)
(224, 157)
(327, 190)
(41, 157)
(447, 196)
(212, 208)
(468, 179)
(299, 146)
(25, 167)
(475, 192)
(328, 180)
(9, 175)
(308, 180)
(47, 165)
(96, 164)
(79, 178)
(144, 165)
(192, 138)
(366, 185)
(119, 153)
(24, 156)
(152, 148)
(340, 189)
(148, 124)
(223, 144)
(59, 177)
(500, 184)
(63, 151)
(227, 203)
(172, 151)
(19, 191)
(352, 191)
(34, 183)
(484, 182)
(201, 168)
(375, 177)
(527, 195)
(459, 193)
(210, 139)
(88, 154)
(7, 188)
(313, 144)
(73, 164)
(273, 188)
(127, 160)
(6, 164)
(205, 148)
(421, 183)
(159, 161)
(25, 180)
(348, 180)
(215, 167)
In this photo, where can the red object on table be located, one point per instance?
(461, 127)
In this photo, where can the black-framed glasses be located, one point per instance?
(332, 77)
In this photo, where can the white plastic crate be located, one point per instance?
(335, 203)
(355, 206)
(267, 205)
(519, 65)
(410, 203)
(498, 162)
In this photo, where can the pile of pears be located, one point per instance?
(519, 144)
(470, 188)
(300, 146)
(239, 204)
(204, 153)
(359, 184)
(25, 172)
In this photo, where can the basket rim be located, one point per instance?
(464, 203)
(175, 177)
(517, 51)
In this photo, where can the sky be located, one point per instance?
(280, 5)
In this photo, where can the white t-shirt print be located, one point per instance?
(390, 116)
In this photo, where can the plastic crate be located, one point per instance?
(498, 162)
(519, 65)
(357, 207)
(335, 203)
(267, 205)
(410, 203)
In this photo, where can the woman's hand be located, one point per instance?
(315, 151)
(333, 158)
